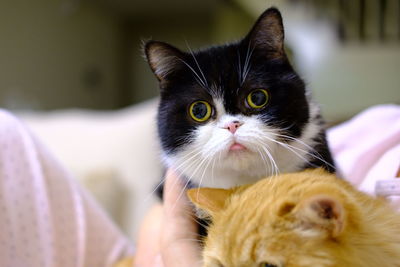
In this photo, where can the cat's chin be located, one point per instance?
(242, 161)
(230, 168)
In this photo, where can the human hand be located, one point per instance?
(168, 236)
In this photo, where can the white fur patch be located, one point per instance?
(209, 163)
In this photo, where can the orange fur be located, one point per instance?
(125, 262)
(309, 218)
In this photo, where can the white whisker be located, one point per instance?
(268, 168)
(290, 148)
(204, 171)
(239, 70)
(198, 66)
(212, 169)
(246, 68)
(189, 178)
(311, 152)
(199, 80)
(184, 160)
(276, 168)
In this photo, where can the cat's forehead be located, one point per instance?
(253, 243)
(219, 55)
(224, 73)
(220, 65)
(249, 244)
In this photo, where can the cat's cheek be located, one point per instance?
(255, 135)
(213, 140)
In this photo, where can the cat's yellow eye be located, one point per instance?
(200, 111)
(258, 98)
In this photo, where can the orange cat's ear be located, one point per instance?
(209, 200)
(322, 212)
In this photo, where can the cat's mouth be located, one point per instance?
(237, 147)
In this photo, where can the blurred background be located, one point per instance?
(74, 71)
(57, 54)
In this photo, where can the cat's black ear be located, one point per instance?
(162, 58)
(267, 33)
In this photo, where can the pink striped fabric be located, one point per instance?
(367, 147)
(46, 219)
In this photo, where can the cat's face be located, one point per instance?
(293, 220)
(233, 112)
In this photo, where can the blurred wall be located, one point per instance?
(58, 54)
(348, 52)
(193, 30)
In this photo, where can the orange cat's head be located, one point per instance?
(304, 219)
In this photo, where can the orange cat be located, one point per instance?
(304, 219)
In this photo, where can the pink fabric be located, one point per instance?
(367, 148)
(46, 219)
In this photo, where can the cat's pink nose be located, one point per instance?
(233, 126)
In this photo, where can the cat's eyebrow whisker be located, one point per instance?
(197, 63)
(239, 68)
(246, 61)
(214, 91)
(246, 67)
(198, 79)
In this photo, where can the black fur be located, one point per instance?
(288, 106)
(219, 71)
(323, 157)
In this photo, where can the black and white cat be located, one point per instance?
(235, 113)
